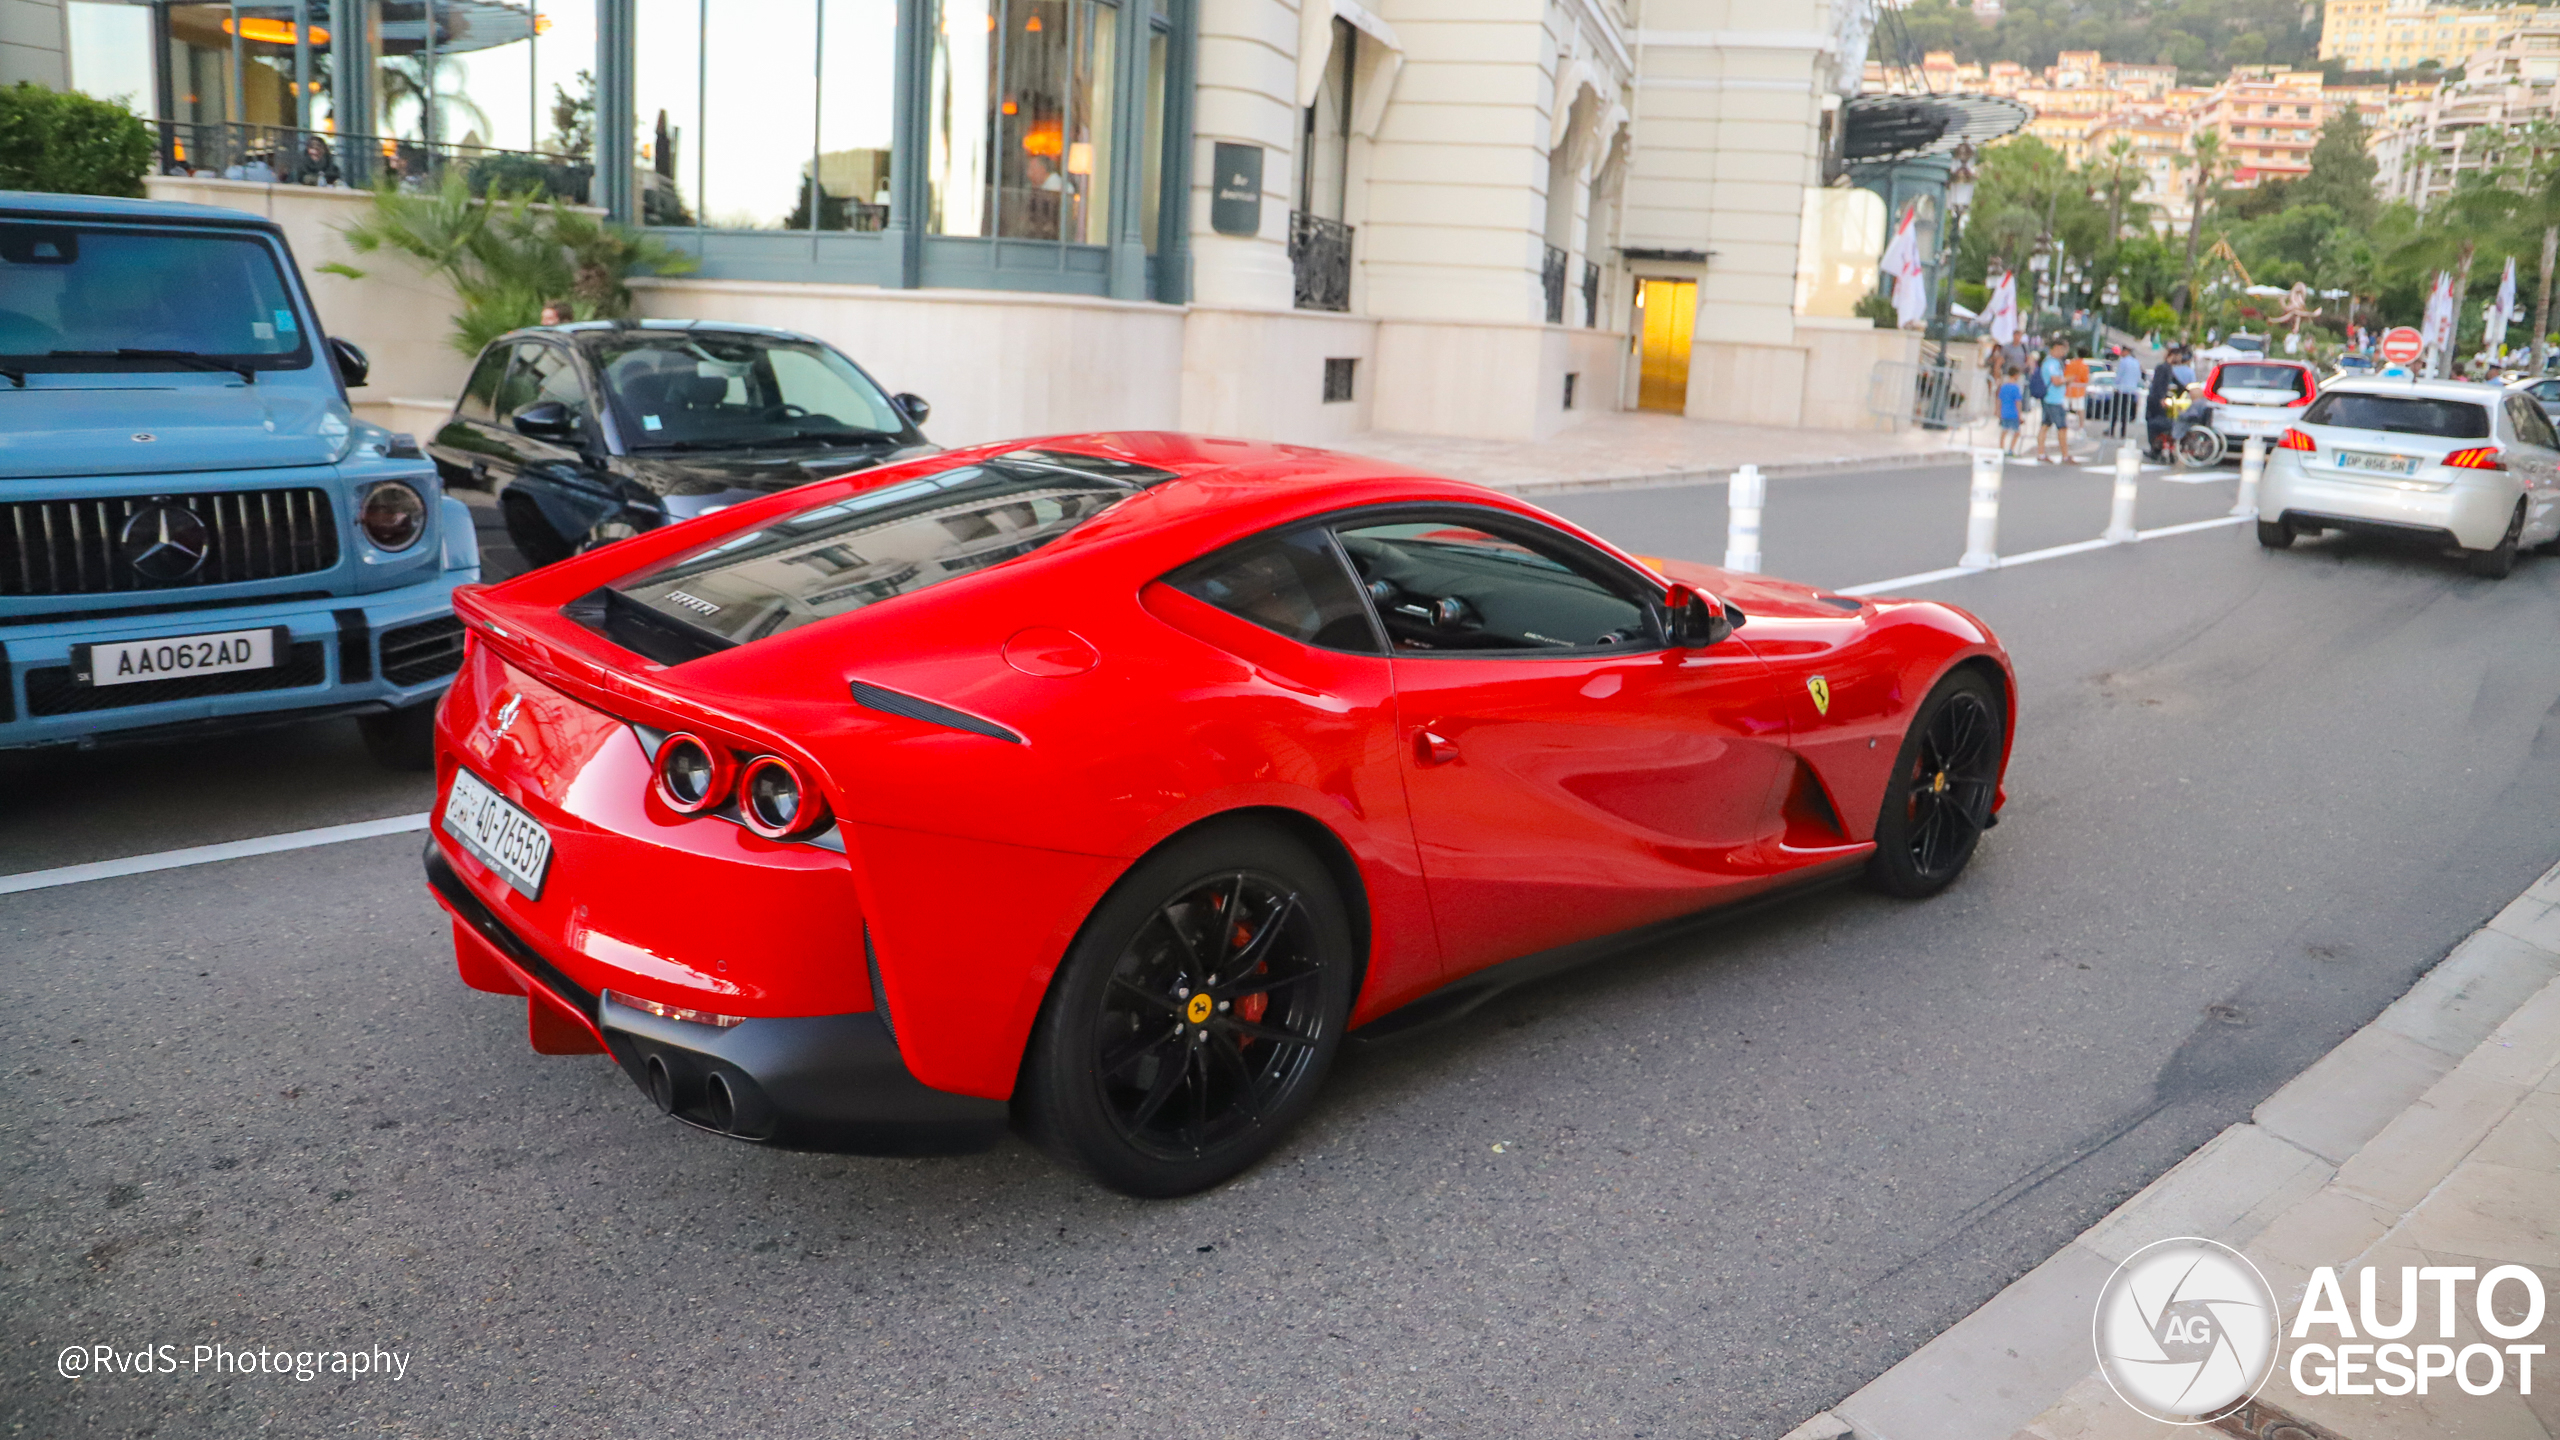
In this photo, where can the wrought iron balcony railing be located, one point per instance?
(281, 154)
(1320, 256)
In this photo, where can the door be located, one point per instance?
(553, 477)
(1570, 774)
(1666, 311)
(2536, 459)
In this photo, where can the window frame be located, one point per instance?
(1649, 592)
(1378, 636)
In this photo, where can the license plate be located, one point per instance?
(505, 838)
(2371, 463)
(131, 662)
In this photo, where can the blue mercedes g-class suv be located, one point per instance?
(196, 533)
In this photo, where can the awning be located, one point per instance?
(1897, 127)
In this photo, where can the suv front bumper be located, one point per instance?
(344, 654)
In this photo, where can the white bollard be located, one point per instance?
(2120, 529)
(2253, 465)
(1982, 522)
(1744, 494)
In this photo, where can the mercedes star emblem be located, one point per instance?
(143, 437)
(165, 542)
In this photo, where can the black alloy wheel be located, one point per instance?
(1195, 1017)
(1938, 802)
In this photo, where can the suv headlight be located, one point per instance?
(393, 515)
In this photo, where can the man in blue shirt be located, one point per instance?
(2128, 391)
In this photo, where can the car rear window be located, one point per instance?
(836, 558)
(2286, 378)
(2400, 415)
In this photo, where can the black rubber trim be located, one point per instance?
(355, 647)
(2314, 520)
(879, 996)
(117, 612)
(899, 703)
(476, 913)
(8, 687)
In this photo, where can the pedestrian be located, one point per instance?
(2012, 397)
(2076, 377)
(555, 312)
(2128, 390)
(2155, 405)
(317, 165)
(2057, 413)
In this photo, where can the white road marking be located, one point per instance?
(2080, 547)
(207, 854)
(398, 824)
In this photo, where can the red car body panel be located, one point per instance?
(1592, 793)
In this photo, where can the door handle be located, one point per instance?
(1430, 749)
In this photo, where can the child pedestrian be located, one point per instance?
(2012, 395)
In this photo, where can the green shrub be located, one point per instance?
(1877, 306)
(69, 144)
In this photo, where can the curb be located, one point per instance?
(2323, 1170)
(1793, 470)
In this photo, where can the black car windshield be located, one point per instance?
(2400, 415)
(92, 298)
(682, 390)
(836, 558)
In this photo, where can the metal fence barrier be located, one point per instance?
(281, 154)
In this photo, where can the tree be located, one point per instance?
(2119, 177)
(2209, 161)
(69, 144)
(2342, 173)
(573, 119)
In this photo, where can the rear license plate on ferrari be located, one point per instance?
(2373, 464)
(503, 837)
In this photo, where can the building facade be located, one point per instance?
(2404, 34)
(1264, 218)
(2435, 137)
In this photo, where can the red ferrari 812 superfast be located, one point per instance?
(1103, 785)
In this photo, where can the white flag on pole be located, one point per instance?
(2503, 308)
(1910, 274)
(2436, 329)
(2001, 315)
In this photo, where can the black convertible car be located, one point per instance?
(593, 432)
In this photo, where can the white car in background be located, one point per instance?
(2473, 466)
(2259, 397)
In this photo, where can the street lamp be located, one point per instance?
(1959, 199)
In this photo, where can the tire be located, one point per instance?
(532, 535)
(1938, 802)
(402, 739)
(2499, 560)
(1131, 1076)
(2203, 448)
(2275, 534)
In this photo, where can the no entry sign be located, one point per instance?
(2401, 345)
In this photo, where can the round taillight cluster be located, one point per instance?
(693, 775)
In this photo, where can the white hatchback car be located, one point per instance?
(2471, 465)
(2258, 397)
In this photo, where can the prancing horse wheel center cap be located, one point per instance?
(1198, 1009)
(1938, 783)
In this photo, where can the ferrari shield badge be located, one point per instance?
(1820, 689)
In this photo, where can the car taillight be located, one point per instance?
(2298, 401)
(774, 802)
(2212, 382)
(692, 774)
(2296, 440)
(2478, 457)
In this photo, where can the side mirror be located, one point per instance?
(912, 406)
(1697, 621)
(548, 420)
(353, 367)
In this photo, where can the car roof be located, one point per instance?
(112, 207)
(2431, 389)
(597, 329)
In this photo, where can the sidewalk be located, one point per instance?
(1627, 449)
(2430, 1137)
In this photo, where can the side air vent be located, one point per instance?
(907, 706)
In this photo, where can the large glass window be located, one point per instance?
(765, 114)
(1022, 104)
(685, 391)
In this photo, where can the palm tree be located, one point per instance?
(2120, 176)
(2206, 152)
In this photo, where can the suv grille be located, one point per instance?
(415, 654)
(77, 547)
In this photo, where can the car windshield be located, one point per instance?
(2400, 415)
(2286, 378)
(689, 391)
(836, 558)
(87, 298)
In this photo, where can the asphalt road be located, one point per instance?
(1704, 1189)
